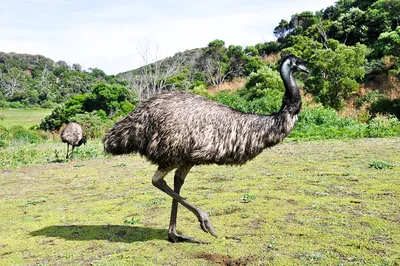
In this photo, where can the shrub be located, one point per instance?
(16, 105)
(4, 104)
(48, 105)
(261, 83)
(107, 100)
(370, 97)
(94, 125)
(21, 135)
(199, 88)
(231, 99)
(325, 123)
(383, 126)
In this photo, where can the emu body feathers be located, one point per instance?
(177, 128)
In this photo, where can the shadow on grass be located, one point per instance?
(112, 233)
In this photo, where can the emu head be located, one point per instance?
(82, 141)
(295, 64)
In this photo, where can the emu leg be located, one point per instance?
(72, 152)
(67, 151)
(179, 179)
(159, 182)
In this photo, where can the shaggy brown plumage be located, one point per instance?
(178, 129)
(72, 134)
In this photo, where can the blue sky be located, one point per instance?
(112, 34)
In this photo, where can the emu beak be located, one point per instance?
(303, 69)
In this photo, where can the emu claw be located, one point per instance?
(206, 225)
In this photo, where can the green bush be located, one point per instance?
(325, 123)
(199, 88)
(383, 126)
(16, 105)
(106, 100)
(231, 99)
(94, 125)
(4, 104)
(258, 95)
(19, 135)
(49, 105)
(370, 97)
(261, 83)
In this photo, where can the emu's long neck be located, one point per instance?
(278, 125)
(291, 102)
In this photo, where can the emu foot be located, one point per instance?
(205, 224)
(174, 238)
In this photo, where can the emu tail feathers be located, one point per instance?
(126, 136)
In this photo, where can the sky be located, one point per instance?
(114, 35)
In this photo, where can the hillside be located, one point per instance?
(351, 49)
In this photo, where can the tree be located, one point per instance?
(260, 84)
(335, 72)
(12, 82)
(216, 71)
(350, 28)
(282, 30)
(155, 75)
(237, 60)
(77, 67)
(106, 97)
(216, 65)
(267, 48)
(389, 43)
(104, 100)
(251, 51)
(377, 22)
(304, 20)
(391, 8)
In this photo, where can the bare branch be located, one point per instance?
(152, 77)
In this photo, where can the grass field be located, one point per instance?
(299, 203)
(25, 117)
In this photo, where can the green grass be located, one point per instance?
(24, 117)
(299, 203)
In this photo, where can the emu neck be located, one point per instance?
(278, 125)
(291, 100)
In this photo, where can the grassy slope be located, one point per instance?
(25, 117)
(307, 203)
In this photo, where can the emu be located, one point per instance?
(178, 130)
(72, 134)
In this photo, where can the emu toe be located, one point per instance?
(205, 224)
(175, 238)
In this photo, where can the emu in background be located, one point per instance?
(178, 130)
(72, 134)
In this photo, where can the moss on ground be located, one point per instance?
(299, 203)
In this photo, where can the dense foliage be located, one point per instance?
(103, 102)
(34, 80)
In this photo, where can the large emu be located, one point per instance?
(72, 134)
(179, 130)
